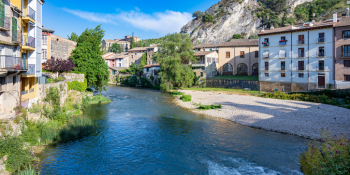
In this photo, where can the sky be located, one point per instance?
(147, 19)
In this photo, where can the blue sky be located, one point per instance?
(147, 19)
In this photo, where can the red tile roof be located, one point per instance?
(153, 65)
(345, 21)
(316, 25)
(205, 46)
(203, 53)
(240, 42)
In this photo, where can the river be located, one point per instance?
(142, 132)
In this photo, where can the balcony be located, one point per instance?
(346, 54)
(28, 42)
(31, 70)
(320, 68)
(265, 44)
(301, 42)
(320, 54)
(301, 55)
(300, 69)
(13, 63)
(29, 15)
(5, 23)
(283, 68)
(321, 40)
(283, 42)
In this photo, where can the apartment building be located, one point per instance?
(31, 48)
(206, 47)
(150, 52)
(207, 64)
(107, 43)
(12, 64)
(342, 53)
(297, 58)
(239, 57)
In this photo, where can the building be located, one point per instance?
(107, 43)
(206, 47)
(342, 53)
(118, 60)
(297, 58)
(150, 52)
(31, 48)
(207, 65)
(46, 46)
(151, 70)
(12, 64)
(239, 57)
(135, 54)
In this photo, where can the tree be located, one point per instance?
(87, 57)
(117, 48)
(132, 42)
(208, 18)
(60, 65)
(174, 56)
(253, 37)
(73, 37)
(143, 61)
(197, 14)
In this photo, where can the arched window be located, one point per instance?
(242, 69)
(255, 69)
(227, 69)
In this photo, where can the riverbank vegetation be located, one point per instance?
(331, 97)
(186, 98)
(209, 107)
(330, 156)
(225, 90)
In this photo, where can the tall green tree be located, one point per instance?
(73, 37)
(117, 48)
(132, 41)
(87, 57)
(174, 56)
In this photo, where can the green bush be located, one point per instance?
(77, 127)
(208, 18)
(76, 85)
(29, 171)
(53, 96)
(208, 107)
(145, 82)
(133, 81)
(186, 98)
(99, 99)
(30, 133)
(36, 108)
(332, 156)
(176, 93)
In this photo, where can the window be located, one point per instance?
(132, 56)
(14, 80)
(301, 75)
(256, 54)
(201, 74)
(321, 65)
(44, 54)
(14, 29)
(266, 54)
(267, 75)
(321, 51)
(208, 60)
(346, 77)
(283, 65)
(147, 69)
(300, 65)
(346, 34)
(282, 54)
(283, 38)
(301, 52)
(113, 65)
(241, 54)
(283, 74)
(346, 63)
(227, 54)
(346, 51)
(283, 41)
(266, 40)
(120, 64)
(44, 38)
(266, 65)
(321, 38)
(301, 39)
(217, 60)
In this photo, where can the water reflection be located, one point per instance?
(141, 132)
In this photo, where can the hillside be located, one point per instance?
(245, 18)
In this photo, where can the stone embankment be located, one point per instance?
(300, 118)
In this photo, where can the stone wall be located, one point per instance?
(233, 84)
(68, 76)
(61, 48)
(287, 87)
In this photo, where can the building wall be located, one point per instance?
(61, 48)
(135, 56)
(311, 58)
(249, 58)
(29, 89)
(340, 70)
(10, 94)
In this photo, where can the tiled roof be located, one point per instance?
(118, 68)
(153, 65)
(117, 56)
(108, 54)
(138, 49)
(240, 42)
(203, 53)
(315, 25)
(205, 46)
(48, 30)
(345, 21)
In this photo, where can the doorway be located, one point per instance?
(321, 82)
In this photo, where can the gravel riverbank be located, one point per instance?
(300, 118)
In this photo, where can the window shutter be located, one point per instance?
(343, 34)
(266, 65)
(342, 50)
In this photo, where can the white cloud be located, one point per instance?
(161, 22)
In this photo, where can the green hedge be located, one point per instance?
(76, 85)
(186, 98)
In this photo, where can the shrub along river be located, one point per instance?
(142, 132)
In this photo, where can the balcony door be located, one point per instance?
(301, 39)
(321, 82)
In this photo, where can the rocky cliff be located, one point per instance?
(230, 17)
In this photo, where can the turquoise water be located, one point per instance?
(142, 132)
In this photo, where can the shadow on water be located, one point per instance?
(142, 132)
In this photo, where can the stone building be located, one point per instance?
(150, 52)
(207, 63)
(61, 47)
(135, 54)
(239, 57)
(342, 53)
(107, 43)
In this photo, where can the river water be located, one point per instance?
(142, 132)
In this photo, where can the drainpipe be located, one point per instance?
(308, 60)
(291, 62)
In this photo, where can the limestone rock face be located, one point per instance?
(234, 18)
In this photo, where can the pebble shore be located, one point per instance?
(300, 118)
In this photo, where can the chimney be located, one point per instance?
(347, 12)
(263, 29)
(335, 18)
(272, 27)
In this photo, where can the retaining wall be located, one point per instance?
(233, 84)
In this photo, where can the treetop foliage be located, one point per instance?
(117, 48)
(60, 65)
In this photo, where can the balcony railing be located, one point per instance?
(283, 42)
(320, 68)
(301, 55)
(300, 42)
(30, 13)
(28, 40)
(31, 69)
(300, 68)
(283, 67)
(265, 44)
(320, 54)
(321, 40)
(5, 22)
(11, 62)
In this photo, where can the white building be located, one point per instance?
(206, 47)
(207, 63)
(150, 70)
(296, 58)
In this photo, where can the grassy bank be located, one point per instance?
(225, 90)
